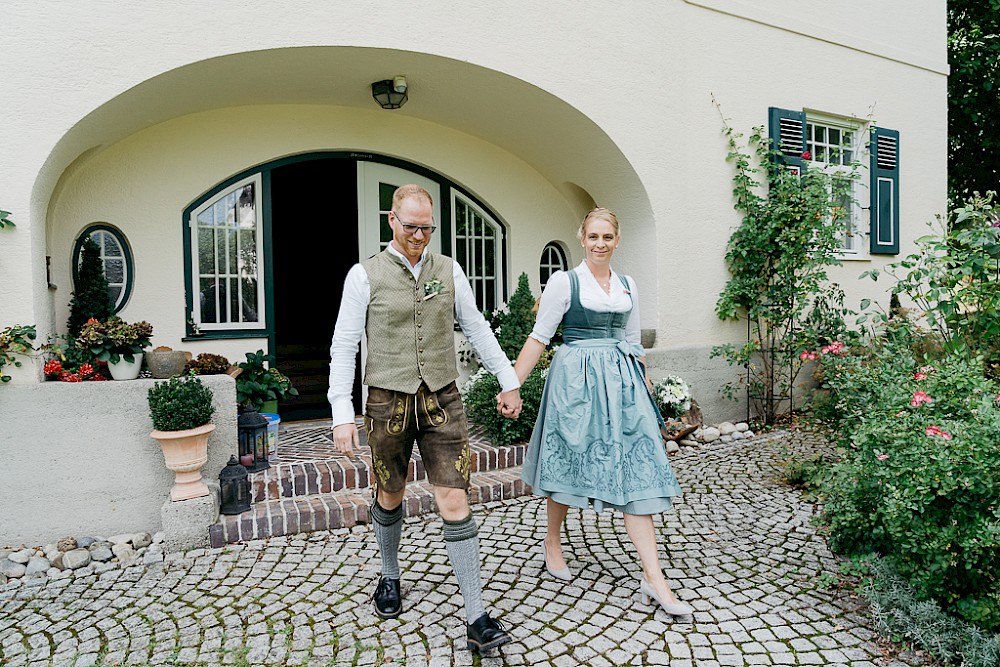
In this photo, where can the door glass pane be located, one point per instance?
(226, 233)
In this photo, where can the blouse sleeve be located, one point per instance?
(633, 333)
(551, 308)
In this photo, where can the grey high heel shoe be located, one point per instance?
(673, 608)
(562, 574)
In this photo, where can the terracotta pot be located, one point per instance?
(185, 452)
(124, 370)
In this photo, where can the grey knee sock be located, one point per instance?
(388, 529)
(461, 538)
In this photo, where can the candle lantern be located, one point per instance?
(234, 485)
(253, 440)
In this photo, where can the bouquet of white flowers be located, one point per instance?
(673, 397)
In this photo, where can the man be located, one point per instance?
(406, 299)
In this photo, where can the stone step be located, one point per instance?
(307, 464)
(348, 507)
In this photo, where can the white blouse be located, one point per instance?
(556, 298)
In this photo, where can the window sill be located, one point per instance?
(217, 335)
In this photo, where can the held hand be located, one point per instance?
(345, 437)
(509, 403)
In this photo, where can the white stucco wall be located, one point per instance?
(527, 106)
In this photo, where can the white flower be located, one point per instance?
(673, 397)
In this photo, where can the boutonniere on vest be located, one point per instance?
(432, 288)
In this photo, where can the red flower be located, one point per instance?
(936, 430)
(52, 368)
(920, 376)
(920, 397)
(86, 370)
(806, 155)
(93, 320)
(66, 376)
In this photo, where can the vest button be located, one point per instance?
(418, 312)
(421, 363)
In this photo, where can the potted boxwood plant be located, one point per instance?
(260, 388)
(181, 409)
(118, 343)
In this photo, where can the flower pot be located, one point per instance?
(124, 370)
(185, 452)
(165, 364)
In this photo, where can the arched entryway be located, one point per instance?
(296, 226)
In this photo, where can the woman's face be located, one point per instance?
(600, 238)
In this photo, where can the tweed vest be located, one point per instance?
(410, 324)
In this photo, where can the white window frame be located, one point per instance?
(545, 262)
(196, 274)
(861, 208)
(472, 272)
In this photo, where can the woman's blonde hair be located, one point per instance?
(599, 213)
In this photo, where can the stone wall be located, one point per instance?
(76, 458)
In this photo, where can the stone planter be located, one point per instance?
(185, 452)
(165, 364)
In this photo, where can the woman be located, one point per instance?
(597, 439)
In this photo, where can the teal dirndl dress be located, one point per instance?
(597, 439)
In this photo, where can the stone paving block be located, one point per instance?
(740, 550)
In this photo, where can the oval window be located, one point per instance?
(116, 257)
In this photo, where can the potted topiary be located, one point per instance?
(181, 409)
(118, 343)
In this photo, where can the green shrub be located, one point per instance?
(257, 383)
(900, 614)
(91, 298)
(919, 481)
(207, 363)
(479, 395)
(180, 403)
(513, 324)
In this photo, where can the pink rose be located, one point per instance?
(920, 397)
(882, 457)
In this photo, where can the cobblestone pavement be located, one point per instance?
(739, 548)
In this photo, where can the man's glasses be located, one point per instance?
(413, 229)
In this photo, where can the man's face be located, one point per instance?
(412, 211)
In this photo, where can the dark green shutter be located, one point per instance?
(884, 151)
(787, 130)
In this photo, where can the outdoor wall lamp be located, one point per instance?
(390, 93)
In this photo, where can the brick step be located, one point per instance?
(349, 507)
(330, 472)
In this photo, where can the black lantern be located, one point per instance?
(234, 484)
(390, 93)
(253, 441)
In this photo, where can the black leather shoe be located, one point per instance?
(486, 633)
(388, 601)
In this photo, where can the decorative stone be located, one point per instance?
(672, 447)
(12, 570)
(726, 428)
(85, 542)
(123, 538)
(748, 434)
(726, 438)
(75, 559)
(66, 544)
(140, 540)
(100, 553)
(123, 552)
(37, 565)
(710, 434)
(742, 426)
(737, 435)
(21, 557)
(53, 572)
(57, 561)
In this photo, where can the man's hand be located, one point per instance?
(509, 403)
(345, 437)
